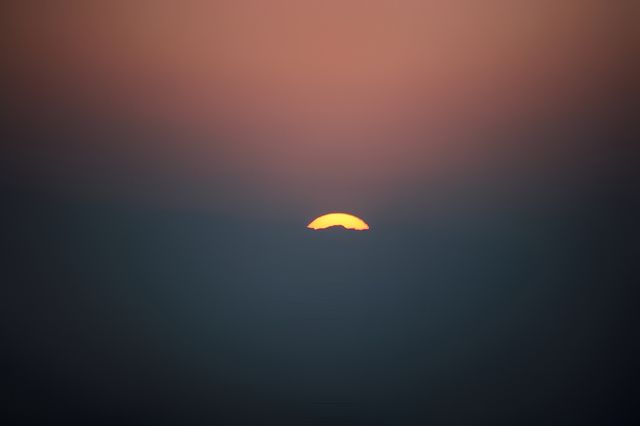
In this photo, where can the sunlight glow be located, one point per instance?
(345, 220)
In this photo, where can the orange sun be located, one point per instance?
(347, 221)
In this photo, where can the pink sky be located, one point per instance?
(320, 100)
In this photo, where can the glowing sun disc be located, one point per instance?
(347, 221)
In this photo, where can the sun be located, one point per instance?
(346, 220)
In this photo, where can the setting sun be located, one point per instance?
(345, 220)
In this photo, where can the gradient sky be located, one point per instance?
(160, 161)
(336, 104)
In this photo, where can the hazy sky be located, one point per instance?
(319, 103)
(160, 160)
